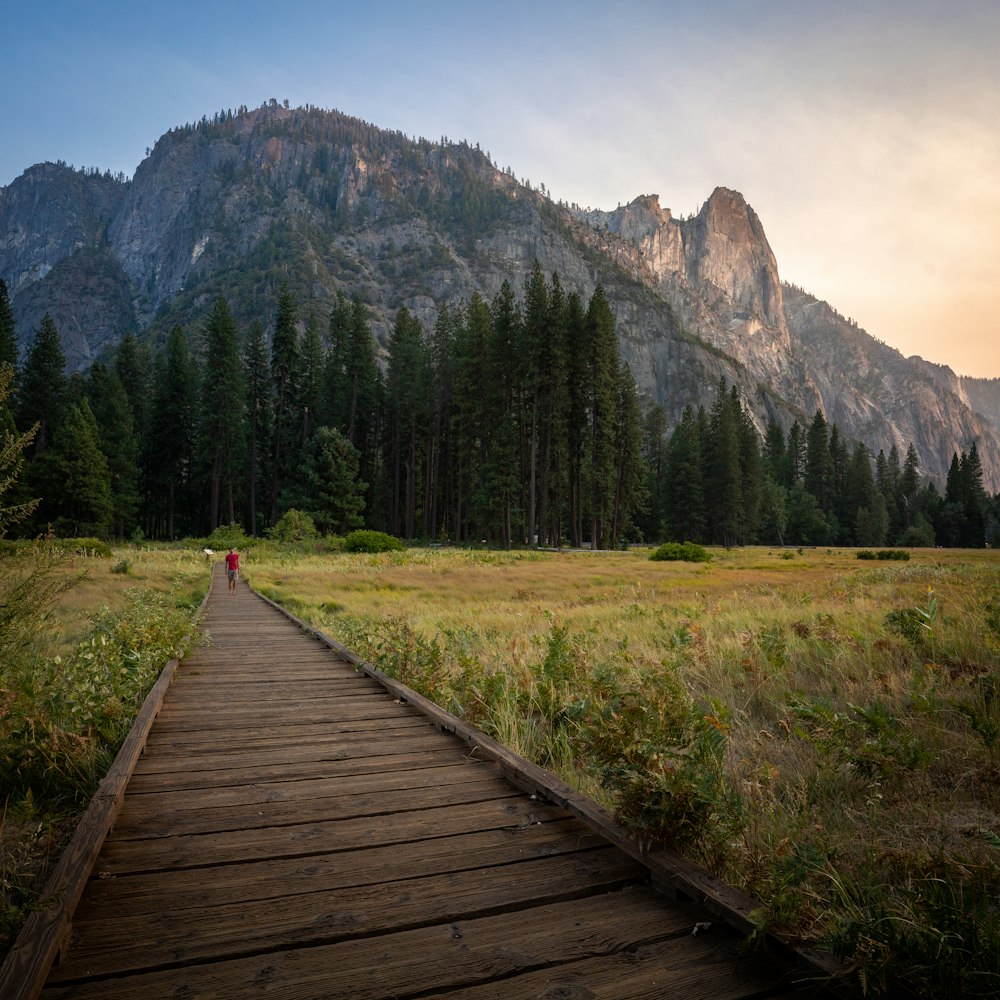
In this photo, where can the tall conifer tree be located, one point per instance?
(8, 341)
(285, 376)
(223, 414)
(43, 386)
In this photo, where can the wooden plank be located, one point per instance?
(195, 888)
(140, 803)
(685, 967)
(110, 946)
(206, 723)
(153, 822)
(316, 838)
(363, 764)
(335, 747)
(455, 955)
(180, 742)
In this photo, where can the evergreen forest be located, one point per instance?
(513, 422)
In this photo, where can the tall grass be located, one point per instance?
(82, 646)
(822, 732)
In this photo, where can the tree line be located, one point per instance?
(715, 479)
(512, 422)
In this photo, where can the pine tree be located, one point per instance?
(438, 448)
(653, 520)
(82, 506)
(723, 478)
(133, 368)
(860, 499)
(576, 414)
(223, 414)
(285, 378)
(311, 389)
(8, 340)
(118, 440)
(601, 377)
(363, 384)
(975, 500)
(170, 444)
(629, 488)
(686, 517)
(950, 526)
(909, 481)
(43, 386)
(257, 378)
(819, 470)
(406, 418)
(795, 456)
(333, 494)
(535, 333)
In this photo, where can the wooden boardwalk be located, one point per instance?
(294, 830)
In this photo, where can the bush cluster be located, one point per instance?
(681, 552)
(372, 541)
(899, 555)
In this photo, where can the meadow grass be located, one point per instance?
(82, 639)
(822, 732)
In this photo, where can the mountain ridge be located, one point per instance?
(326, 202)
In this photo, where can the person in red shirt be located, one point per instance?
(233, 569)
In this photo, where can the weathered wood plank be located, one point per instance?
(143, 803)
(418, 962)
(349, 764)
(182, 889)
(210, 819)
(121, 856)
(333, 747)
(180, 742)
(110, 946)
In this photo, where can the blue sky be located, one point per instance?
(866, 135)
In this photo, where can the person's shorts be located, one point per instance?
(233, 574)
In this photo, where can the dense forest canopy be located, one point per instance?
(511, 422)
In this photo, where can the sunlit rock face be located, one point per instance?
(330, 204)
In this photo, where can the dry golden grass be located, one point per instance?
(182, 573)
(863, 736)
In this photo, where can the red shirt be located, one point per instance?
(233, 561)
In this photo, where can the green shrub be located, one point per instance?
(227, 536)
(294, 526)
(123, 566)
(899, 555)
(371, 541)
(680, 552)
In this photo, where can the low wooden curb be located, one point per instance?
(47, 930)
(670, 873)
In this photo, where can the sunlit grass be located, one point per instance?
(860, 703)
(181, 574)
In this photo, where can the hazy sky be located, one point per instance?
(866, 135)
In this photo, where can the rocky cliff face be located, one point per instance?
(327, 203)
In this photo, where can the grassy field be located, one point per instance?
(822, 731)
(82, 639)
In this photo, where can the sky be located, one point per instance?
(864, 133)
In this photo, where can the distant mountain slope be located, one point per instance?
(324, 202)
